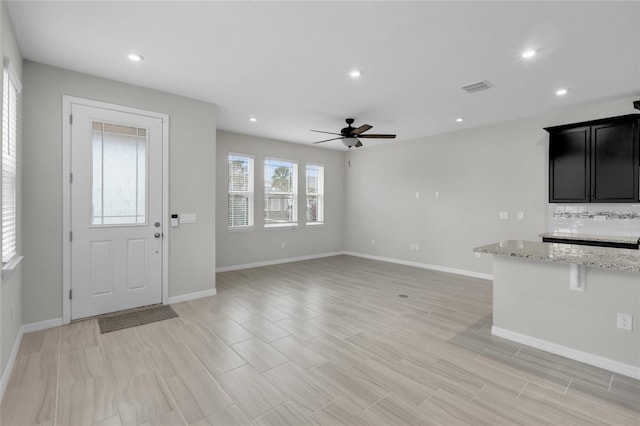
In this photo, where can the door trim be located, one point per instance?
(67, 102)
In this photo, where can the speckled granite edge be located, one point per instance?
(597, 257)
(590, 237)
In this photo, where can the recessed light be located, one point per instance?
(459, 119)
(561, 92)
(253, 119)
(528, 53)
(136, 57)
(355, 73)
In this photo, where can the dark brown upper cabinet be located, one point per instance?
(595, 161)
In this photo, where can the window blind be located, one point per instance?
(11, 88)
(280, 192)
(240, 191)
(315, 194)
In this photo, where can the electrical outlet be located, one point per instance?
(373, 242)
(417, 247)
(504, 215)
(625, 321)
(478, 255)
(283, 244)
(417, 195)
(520, 215)
(413, 246)
(436, 194)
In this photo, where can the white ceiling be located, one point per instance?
(287, 63)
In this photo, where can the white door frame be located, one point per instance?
(67, 102)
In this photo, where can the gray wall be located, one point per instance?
(478, 172)
(191, 172)
(533, 298)
(260, 245)
(11, 286)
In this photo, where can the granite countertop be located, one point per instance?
(589, 237)
(598, 257)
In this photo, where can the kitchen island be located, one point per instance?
(565, 299)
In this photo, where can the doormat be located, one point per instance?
(131, 319)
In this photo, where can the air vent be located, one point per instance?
(476, 87)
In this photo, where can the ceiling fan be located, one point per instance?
(351, 135)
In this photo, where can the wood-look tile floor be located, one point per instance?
(320, 342)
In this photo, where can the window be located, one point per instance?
(280, 193)
(119, 174)
(240, 191)
(315, 194)
(11, 88)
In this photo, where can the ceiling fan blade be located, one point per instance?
(379, 136)
(327, 140)
(329, 133)
(361, 129)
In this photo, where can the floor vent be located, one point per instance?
(403, 295)
(477, 87)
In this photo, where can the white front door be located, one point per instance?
(116, 210)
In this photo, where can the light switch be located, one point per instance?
(188, 218)
(504, 215)
(520, 215)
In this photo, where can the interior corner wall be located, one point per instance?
(477, 173)
(192, 152)
(236, 248)
(11, 284)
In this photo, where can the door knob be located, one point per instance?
(157, 235)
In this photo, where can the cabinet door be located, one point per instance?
(614, 162)
(569, 165)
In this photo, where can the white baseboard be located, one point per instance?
(574, 354)
(41, 325)
(367, 256)
(6, 374)
(424, 265)
(191, 296)
(24, 329)
(277, 261)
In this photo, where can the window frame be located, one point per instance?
(293, 194)
(10, 163)
(319, 195)
(250, 192)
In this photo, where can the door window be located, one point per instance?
(119, 175)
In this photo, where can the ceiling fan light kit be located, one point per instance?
(350, 135)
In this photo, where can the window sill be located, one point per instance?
(241, 229)
(281, 226)
(10, 266)
(315, 224)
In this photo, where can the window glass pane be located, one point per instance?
(238, 210)
(240, 201)
(315, 194)
(119, 175)
(9, 167)
(312, 208)
(280, 189)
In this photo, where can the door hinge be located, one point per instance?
(70, 177)
(70, 293)
(71, 119)
(70, 235)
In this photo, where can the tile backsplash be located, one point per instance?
(595, 219)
